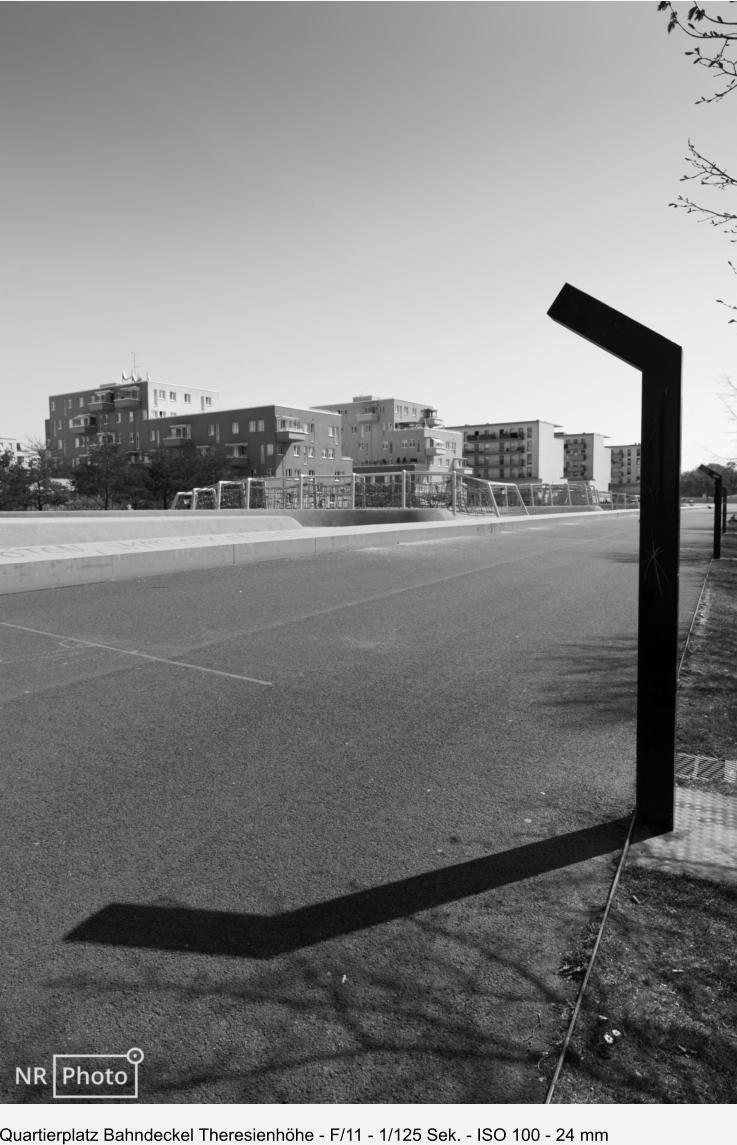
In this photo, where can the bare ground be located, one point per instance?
(658, 1023)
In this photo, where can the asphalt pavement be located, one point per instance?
(320, 830)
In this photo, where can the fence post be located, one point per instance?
(659, 361)
(404, 488)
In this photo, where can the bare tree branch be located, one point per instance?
(719, 53)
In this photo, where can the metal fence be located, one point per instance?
(456, 491)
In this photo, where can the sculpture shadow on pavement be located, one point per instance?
(230, 934)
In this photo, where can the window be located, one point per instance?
(208, 401)
(187, 399)
(211, 430)
(297, 450)
(252, 427)
(53, 406)
(260, 427)
(162, 395)
(131, 438)
(81, 403)
(310, 451)
(172, 396)
(152, 435)
(269, 449)
(235, 427)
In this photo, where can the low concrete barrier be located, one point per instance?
(235, 538)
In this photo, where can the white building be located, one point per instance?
(18, 451)
(587, 458)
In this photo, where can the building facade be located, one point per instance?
(586, 458)
(625, 468)
(515, 452)
(259, 441)
(143, 417)
(381, 433)
(118, 414)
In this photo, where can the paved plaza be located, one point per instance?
(320, 830)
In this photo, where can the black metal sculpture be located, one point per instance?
(659, 360)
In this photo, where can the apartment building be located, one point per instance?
(513, 451)
(393, 433)
(625, 468)
(117, 414)
(259, 441)
(586, 458)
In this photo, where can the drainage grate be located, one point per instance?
(704, 767)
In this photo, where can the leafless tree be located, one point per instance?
(716, 50)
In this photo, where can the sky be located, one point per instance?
(299, 203)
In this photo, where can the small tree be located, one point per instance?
(184, 467)
(103, 476)
(44, 476)
(14, 484)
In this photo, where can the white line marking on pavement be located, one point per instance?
(140, 655)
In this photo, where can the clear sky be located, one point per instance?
(298, 203)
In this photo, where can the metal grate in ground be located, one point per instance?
(705, 767)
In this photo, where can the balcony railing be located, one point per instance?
(83, 424)
(177, 435)
(101, 401)
(127, 399)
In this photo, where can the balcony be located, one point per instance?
(101, 401)
(127, 398)
(237, 456)
(290, 429)
(177, 435)
(364, 418)
(83, 424)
